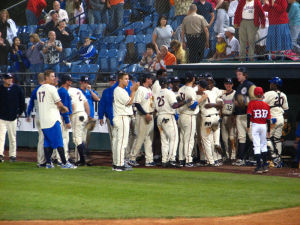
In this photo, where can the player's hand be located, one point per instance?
(268, 134)
(68, 125)
(208, 106)
(101, 122)
(89, 87)
(204, 96)
(135, 86)
(64, 109)
(148, 118)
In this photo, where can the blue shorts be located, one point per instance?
(53, 137)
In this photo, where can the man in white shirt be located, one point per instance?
(49, 106)
(233, 45)
(62, 14)
(122, 107)
(144, 125)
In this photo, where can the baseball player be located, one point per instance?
(244, 91)
(33, 105)
(49, 106)
(278, 103)
(187, 120)
(122, 108)
(144, 122)
(209, 122)
(63, 93)
(258, 113)
(12, 105)
(165, 104)
(80, 116)
(228, 126)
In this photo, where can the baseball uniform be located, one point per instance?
(209, 123)
(122, 112)
(167, 124)
(278, 103)
(78, 119)
(227, 126)
(143, 129)
(187, 123)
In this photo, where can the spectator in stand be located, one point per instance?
(52, 50)
(231, 11)
(34, 11)
(8, 27)
(222, 20)
(4, 50)
(294, 18)
(164, 59)
(34, 54)
(62, 14)
(117, 12)
(70, 10)
(65, 36)
(79, 12)
(162, 34)
(195, 29)
(216, 3)
(51, 25)
(233, 45)
(149, 57)
(18, 56)
(181, 9)
(86, 53)
(162, 7)
(96, 11)
(279, 36)
(248, 17)
(63, 4)
(178, 51)
(220, 48)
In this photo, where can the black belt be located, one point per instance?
(194, 35)
(212, 115)
(226, 115)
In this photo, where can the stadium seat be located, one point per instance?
(172, 13)
(31, 29)
(174, 24)
(120, 38)
(122, 46)
(83, 34)
(146, 24)
(74, 69)
(124, 67)
(84, 27)
(130, 38)
(121, 55)
(132, 68)
(149, 30)
(148, 38)
(141, 48)
(140, 38)
(104, 64)
(126, 15)
(137, 26)
(74, 42)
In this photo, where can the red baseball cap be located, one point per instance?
(258, 91)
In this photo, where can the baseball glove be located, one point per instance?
(241, 101)
(90, 125)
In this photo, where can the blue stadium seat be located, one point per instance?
(126, 15)
(84, 27)
(120, 38)
(31, 29)
(140, 38)
(132, 68)
(146, 24)
(124, 67)
(174, 24)
(141, 48)
(103, 52)
(75, 42)
(84, 34)
(148, 38)
(130, 38)
(94, 68)
(137, 26)
(172, 13)
(148, 18)
(155, 19)
(122, 46)
(113, 45)
(73, 26)
(104, 66)
(74, 69)
(112, 53)
(149, 30)
(102, 45)
(121, 55)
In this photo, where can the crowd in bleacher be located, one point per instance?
(113, 35)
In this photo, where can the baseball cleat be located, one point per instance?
(119, 169)
(150, 164)
(49, 166)
(127, 167)
(265, 168)
(165, 165)
(68, 166)
(133, 163)
(189, 165)
(12, 159)
(181, 163)
(43, 165)
(258, 170)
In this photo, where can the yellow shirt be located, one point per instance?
(221, 47)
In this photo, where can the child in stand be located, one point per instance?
(220, 48)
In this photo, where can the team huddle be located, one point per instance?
(189, 116)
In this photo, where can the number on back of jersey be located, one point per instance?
(41, 96)
(160, 101)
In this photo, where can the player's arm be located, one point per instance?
(30, 105)
(177, 105)
(87, 109)
(95, 96)
(61, 107)
(133, 90)
(251, 92)
(249, 115)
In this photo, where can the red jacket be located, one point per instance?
(36, 6)
(277, 12)
(259, 15)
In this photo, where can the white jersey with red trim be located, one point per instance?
(120, 104)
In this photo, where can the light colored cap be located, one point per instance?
(230, 29)
(221, 35)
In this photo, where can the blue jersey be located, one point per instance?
(66, 100)
(87, 93)
(31, 101)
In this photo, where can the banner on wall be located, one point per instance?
(24, 125)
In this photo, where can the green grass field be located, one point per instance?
(29, 193)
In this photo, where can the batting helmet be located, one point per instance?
(276, 80)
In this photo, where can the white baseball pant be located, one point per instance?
(131, 137)
(145, 136)
(169, 137)
(11, 128)
(120, 138)
(227, 129)
(276, 133)
(40, 147)
(65, 136)
(259, 134)
(208, 125)
(187, 124)
(241, 126)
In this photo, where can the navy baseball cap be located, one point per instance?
(66, 77)
(176, 79)
(241, 69)
(228, 81)
(203, 83)
(163, 80)
(84, 79)
(8, 76)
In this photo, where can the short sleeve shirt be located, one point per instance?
(277, 100)
(78, 99)
(233, 45)
(259, 111)
(164, 101)
(194, 24)
(120, 103)
(144, 97)
(185, 93)
(164, 35)
(205, 10)
(52, 56)
(47, 97)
